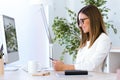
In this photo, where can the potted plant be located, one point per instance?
(67, 34)
(1, 61)
(1, 52)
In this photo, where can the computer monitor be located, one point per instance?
(9, 39)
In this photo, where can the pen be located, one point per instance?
(41, 74)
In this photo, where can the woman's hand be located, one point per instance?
(58, 65)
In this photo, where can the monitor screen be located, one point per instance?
(9, 39)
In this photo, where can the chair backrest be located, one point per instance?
(104, 62)
(104, 65)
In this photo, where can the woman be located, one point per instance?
(94, 45)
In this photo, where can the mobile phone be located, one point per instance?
(51, 58)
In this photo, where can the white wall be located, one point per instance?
(114, 16)
(32, 39)
(59, 10)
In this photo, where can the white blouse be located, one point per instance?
(92, 58)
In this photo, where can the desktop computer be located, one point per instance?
(9, 40)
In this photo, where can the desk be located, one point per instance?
(22, 75)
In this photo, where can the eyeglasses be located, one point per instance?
(81, 21)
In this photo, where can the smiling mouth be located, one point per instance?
(83, 28)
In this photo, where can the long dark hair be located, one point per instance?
(97, 25)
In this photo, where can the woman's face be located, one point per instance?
(84, 23)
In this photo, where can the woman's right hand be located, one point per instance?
(58, 65)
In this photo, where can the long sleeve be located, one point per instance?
(92, 58)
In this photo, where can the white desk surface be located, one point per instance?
(22, 75)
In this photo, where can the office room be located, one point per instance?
(36, 30)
